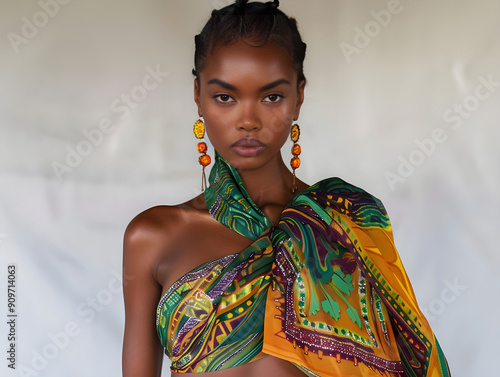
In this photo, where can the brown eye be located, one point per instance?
(273, 98)
(224, 98)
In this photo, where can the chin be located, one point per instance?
(242, 163)
(246, 163)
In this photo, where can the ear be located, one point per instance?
(300, 99)
(197, 97)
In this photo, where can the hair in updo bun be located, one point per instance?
(257, 22)
(243, 3)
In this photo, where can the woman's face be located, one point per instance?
(248, 97)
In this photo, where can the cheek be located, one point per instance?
(216, 123)
(217, 118)
(217, 131)
(279, 123)
(276, 132)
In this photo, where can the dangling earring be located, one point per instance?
(204, 160)
(296, 150)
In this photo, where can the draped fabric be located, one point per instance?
(324, 289)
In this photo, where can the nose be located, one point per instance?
(248, 118)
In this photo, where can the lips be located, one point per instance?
(248, 147)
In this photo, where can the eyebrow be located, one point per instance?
(263, 89)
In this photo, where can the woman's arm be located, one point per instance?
(142, 351)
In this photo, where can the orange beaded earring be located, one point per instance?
(296, 150)
(204, 160)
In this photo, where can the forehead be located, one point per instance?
(246, 61)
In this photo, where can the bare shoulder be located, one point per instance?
(150, 224)
(154, 230)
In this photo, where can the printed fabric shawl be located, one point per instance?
(324, 289)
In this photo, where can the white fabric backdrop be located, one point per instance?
(96, 119)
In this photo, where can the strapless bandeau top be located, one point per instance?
(213, 317)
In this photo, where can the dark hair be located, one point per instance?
(257, 22)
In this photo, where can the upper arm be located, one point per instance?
(142, 351)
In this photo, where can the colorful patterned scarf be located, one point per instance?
(324, 289)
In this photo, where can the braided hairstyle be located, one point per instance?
(257, 22)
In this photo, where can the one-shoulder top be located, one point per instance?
(324, 289)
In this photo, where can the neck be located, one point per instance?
(269, 186)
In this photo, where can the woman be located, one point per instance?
(262, 275)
